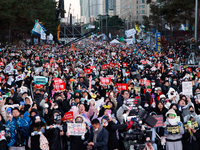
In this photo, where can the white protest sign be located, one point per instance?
(130, 32)
(129, 41)
(76, 129)
(187, 89)
(38, 69)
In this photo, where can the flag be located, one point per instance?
(58, 32)
(9, 68)
(20, 77)
(38, 28)
(137, 28)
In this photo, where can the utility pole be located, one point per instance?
(196, 18)
(106, 25)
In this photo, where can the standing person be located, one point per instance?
(19, 129)
(98, 138)
(3, 145)
(173, 142)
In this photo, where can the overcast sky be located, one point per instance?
(75, 4)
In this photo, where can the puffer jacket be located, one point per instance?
(11, 126)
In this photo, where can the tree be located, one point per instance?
(18, 17)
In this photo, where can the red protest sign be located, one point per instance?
(159, 65)
(1, 64)
(37, 58)
(88, 71)
(112, 65)
(47, 65)
(38, 86)
(122, 86)
(104, 66)
(124, 64)
(105, 80)
(159, 122)
(68, 116)
(51, 60)
(147, 83)
(19, 64)
(59, 86)
(142, 81)
(107, 65)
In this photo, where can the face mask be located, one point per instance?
(73, 107)
(55, 107)
(192, 111)
(172, 121)
(146, 105)
(78, 121)
(58, 122)
(105, 124)
(95, 129)
(153, 84)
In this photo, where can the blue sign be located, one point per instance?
(40, 80)
(158, 42)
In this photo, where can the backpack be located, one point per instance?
(20, 140)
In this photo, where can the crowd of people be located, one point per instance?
(78, 97)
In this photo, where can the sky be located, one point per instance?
(75, 4)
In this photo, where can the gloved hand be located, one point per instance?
(166, 132)
(179, 124)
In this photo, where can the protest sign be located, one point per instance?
(122, 86)
(104, 66)
(124, 64)
(40, 80)
(1, 64)
(37, 58)
(76, 129)
(137, 89)
(59, 86)
(159, 122)
(38, 69)
(128, 74)
(173, 129)
(193, 125)
(112, 65)
(159, 65)
(130, 33)
(105, 80)
(68, 116)
(170, 60)
(88, 71)
(92, 67)
(187, 89)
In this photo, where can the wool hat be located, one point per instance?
(171, 111)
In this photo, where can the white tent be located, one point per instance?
(114, 42)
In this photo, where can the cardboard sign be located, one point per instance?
(159, 122)
(124, 64)
(40, 80)
(105, 80)
(122, 86)
(88, 71)
(68, 116)
(187, 89)
(194, 125)
(173, 129)
(76, 129)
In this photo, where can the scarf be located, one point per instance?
(96, 133)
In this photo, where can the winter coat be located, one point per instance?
(54, 138)
(112, 139)
(120, 101)
(102, 140)
(22, 126)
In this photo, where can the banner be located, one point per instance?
(173, 129)
(129, 41)
(187, 89)
(76, 129)
(40, 80)
(105, 80)
(158, 42)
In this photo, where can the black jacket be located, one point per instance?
(3, 144)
